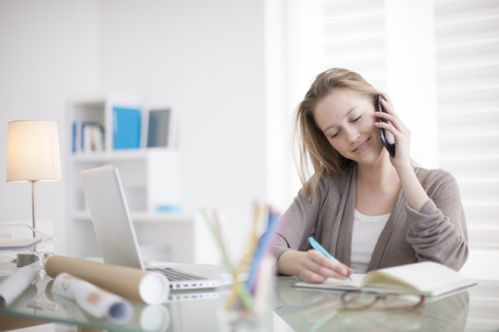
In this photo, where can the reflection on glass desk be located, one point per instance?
(475, 309)
(472, 309)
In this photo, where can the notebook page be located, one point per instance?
(427, 277)
(333, 283)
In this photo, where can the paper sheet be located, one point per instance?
(16, 283)
(7, 243)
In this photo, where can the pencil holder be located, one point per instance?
(249, 308)
(249, 305)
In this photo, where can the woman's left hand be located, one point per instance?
(399, 131)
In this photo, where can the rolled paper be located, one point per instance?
(151, 317)
(149, 287)
(93, 300)
(16, 284)
(70, 307)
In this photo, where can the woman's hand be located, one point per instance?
(415, 194)
(399, 131)
(313, 267)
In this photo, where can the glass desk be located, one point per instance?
(475, 309)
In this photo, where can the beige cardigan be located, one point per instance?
(435, 233)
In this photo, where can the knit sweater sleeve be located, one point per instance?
(298, 221)
(437, 232)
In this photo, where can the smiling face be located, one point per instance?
(346, 118)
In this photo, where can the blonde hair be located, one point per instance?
(313, 144)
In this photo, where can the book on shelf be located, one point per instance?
(126, 127)
(159, 128)
(74, 137)
(92, 137)
(422, 278)
(87, 136)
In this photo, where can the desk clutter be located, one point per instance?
(95, 301)
(253, 275)
(145, 286)
(107, 293)
(15, 284)
(18, 238)
(22, 248)
(101, 290)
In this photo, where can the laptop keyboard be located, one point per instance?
(176, 275)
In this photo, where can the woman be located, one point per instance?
(369, 210)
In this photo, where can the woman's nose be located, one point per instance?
(352, 134)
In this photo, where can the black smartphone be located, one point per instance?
(386, 136)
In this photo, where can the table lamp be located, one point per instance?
(33, 155)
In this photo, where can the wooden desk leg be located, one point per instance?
(8, 323)
(11, 323)
(86, 329)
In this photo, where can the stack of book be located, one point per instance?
(88, 136)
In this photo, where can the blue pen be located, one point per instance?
(316, 245)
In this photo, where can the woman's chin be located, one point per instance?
(371, 157)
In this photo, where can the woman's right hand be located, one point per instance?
(316, 268)
(311, 266)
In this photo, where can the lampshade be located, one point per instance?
(33, 151)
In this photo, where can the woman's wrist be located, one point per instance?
(288, 262)
(404, 167)
(415, 194)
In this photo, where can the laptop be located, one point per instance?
(117, 239)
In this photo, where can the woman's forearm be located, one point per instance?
(415, 194)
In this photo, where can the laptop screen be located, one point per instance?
(111, 217)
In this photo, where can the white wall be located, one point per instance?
(47, 51)
(204, 58)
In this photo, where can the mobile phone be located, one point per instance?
(386, 136)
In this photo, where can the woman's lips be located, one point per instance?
(361, 148)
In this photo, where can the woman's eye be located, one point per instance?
(334, 135)
(357, 118)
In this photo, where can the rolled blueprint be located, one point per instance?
(69, 306)
(16, 283)
(93, 300)
(149, 287)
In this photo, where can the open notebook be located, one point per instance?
(425, 278)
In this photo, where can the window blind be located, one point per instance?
(354, 37)
(467, 55)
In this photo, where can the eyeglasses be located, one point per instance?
(357, 300)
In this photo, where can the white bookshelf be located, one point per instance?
(150, 178)
(151, 182)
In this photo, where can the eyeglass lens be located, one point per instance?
(362, 300)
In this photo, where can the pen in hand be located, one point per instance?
(316, 245)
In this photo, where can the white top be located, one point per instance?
(366, 231)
